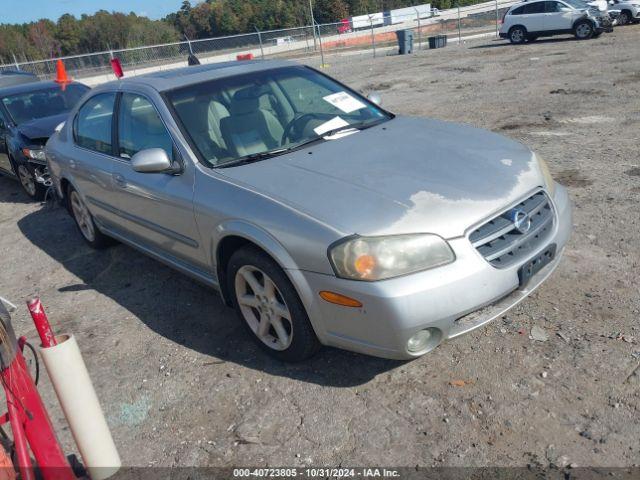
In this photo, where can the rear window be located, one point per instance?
(517, 11)
(27, 106)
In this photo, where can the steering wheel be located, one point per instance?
(307, 117)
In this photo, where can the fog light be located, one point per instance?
(419, 341)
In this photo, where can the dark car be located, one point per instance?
(29, 114)
(16, 77)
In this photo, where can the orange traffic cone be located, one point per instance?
(61, 73)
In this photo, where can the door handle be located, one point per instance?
(119, 180)
(72, 163)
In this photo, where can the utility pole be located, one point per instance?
(313, 25)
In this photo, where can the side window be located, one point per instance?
(536, 7)
(140, 127)
(518, 11)
(92, 125)
(552, 7)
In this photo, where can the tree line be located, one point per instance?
(105, 30)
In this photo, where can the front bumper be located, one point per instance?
(454, 299)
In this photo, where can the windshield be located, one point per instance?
(55, 100)
(266, 113)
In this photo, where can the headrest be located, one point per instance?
(245, 101)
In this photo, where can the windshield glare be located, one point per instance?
(579, 4)
(32, 105)
(247, 115)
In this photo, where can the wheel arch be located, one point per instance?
(582, 20)
(518, 25)
(232, 235)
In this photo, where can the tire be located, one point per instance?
(264, 307)
(517, 35)
(624, 18)
(583, 30)
(27, 180)
(84, 221)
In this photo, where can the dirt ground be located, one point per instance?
(183, 385)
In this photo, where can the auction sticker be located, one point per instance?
(344, 102)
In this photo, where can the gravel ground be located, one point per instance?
(183, 385)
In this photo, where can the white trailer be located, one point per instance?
(407, 14)
(366, 21)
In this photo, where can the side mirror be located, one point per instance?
(152, 160)
(374, 97)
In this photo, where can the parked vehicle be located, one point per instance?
(16, 77)
(29, 113)
(629, 11)
(320, 217)
(530, 20)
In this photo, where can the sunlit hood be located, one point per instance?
(405, 175)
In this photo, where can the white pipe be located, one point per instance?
(81, 407)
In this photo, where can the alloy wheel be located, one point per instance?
(82, 217)
(584, 30)
(263, 307)
(517, 36)
(27, 180)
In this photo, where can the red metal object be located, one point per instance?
(29, 419)
(41, 322)
(244, 56)
(116, 66)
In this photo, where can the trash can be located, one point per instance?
(405, 41)
(438, 41)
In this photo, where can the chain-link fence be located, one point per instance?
(327, 45)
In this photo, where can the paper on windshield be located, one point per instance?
(335, 122)
(344, 102)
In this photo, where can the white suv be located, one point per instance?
(533, 19)
(629, 10)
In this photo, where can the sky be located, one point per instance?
(20, 11)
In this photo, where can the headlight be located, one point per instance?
(548, 179)
(377, 258)
(35, 154)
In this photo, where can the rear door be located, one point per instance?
(156, 208)
(91, 160)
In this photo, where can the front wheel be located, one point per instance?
(584, 30)
(517, 35)
(84, 221)
(29, 183)
(269, 306)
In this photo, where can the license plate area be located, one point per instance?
(537, 263)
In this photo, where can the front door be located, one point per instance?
(156, 208)
(556, 18)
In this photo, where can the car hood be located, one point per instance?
(41, 128)
(405, 175)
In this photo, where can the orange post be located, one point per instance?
(61, 73)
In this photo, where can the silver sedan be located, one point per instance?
(322, 218)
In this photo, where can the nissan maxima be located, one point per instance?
(322, 218)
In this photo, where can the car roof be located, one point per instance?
(180, 77)
(31, 87)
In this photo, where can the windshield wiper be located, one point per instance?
(254, 157)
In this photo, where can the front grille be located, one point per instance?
(502, 244)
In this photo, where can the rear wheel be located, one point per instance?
(517, 35)
(84, 221)
(269, 306)
(624, 18)
(584, 30)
